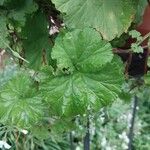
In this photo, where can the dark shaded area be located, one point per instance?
(138, 63)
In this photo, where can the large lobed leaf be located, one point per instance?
(110, 17)
(81, 50)
(93, 77)
(19, 103)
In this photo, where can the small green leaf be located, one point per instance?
(135, 34)
(18, 56)
(20, 104)
(136, 48)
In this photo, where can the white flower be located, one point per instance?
(24, 131)
(129, 125)
(104, 142)
(102, 118)
(4, 144)
(78, 148)
(73, 132)
(124, 146)
(124, 137)
(108, 148)
(53, 30)
(121, 136)
(92, 130)
(129, 117)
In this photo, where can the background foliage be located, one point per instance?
(64, 71)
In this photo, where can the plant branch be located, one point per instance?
(131, 130)
(71, 141)
(144, 38)
(87, 136)
(125, 51)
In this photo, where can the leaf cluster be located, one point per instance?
(67, 73)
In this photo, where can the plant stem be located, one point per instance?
(71, 141)
(144, 38)
(131, 130)
(125, 51)
(87, 136)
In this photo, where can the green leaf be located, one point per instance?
(2, 2)
(111, 18)
(3, 33)
(92, 81)
(136, 48)
(72, 94)
(20, 104)
(19, 9)
(81, 50)
(40, 132)
(9, 72)
(135, 34)
(36, 40)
